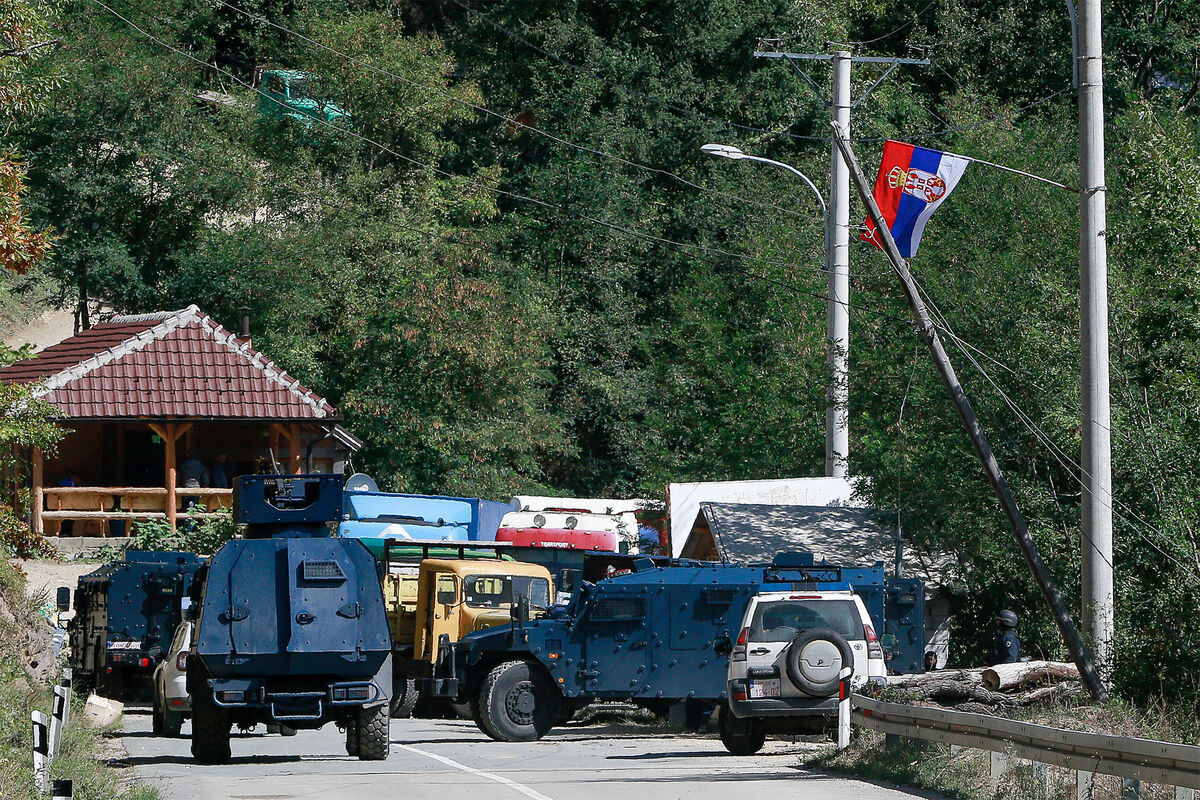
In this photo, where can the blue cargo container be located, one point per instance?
(373, 517)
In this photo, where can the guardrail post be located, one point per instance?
(999, 765)
(41, 752)
(1083, 785)
(1185, 793)
(66, 685)
(1131, 789)
(843, 740)
(58, 719)
(63, 790)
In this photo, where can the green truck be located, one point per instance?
(285, 94)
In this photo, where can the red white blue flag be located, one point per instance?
(912, 182)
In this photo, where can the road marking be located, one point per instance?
(525, 790)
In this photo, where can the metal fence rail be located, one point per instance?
(1140, 759)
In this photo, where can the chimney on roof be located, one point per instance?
(244, 330)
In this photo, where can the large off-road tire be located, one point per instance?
(518, 702)
(172, 723)
(210, 733)
(404, 697)
(741, 737)
(814, 659)
(374, 733)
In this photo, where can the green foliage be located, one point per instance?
(194, 533)
(451, 279)
(18, 540)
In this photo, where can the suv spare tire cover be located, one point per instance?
(814, 659)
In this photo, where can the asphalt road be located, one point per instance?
(438, 759)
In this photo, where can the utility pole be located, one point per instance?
(837, 235)
(1079, 651)
(1096, 456)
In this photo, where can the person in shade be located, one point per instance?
(1006, 649)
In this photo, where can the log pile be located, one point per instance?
(983, 690)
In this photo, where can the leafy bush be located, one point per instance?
(18, 540)
(194, 533)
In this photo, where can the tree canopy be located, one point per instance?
(513, 269)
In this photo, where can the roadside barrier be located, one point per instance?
(1134, 760)
(47, 738)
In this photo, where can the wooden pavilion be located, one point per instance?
(154, 401)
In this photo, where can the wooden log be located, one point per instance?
(1004, 677)
(936, 676)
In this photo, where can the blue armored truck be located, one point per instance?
(292, 629)
(125, 614)
(655, 636)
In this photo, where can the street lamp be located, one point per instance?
(837, 412)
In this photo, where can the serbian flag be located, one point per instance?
(911, 184)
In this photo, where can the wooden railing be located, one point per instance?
(129, 503)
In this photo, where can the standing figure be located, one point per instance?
(1006, 648)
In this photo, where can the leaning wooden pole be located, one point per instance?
(1079, 651)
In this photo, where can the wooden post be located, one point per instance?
(37, 500)
(928, 332)
(169, 442)
(294, 449)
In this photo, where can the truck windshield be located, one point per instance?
(783, 620)
(499, 591)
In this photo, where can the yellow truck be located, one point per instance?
(430, 593)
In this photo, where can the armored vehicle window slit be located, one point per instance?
(616, 609)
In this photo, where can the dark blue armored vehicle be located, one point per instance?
(125, 615)
(656, 636)
(292, 629)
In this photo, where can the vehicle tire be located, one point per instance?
(210, 734)
(172, 723)
(374, 733)
(818, 643)
(352, 740)
(518, 702)
(741, 737)
(156, 721)
(287, 730)
(404, 697)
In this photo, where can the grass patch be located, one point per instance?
(82, 755)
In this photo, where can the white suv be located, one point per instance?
(171, 701)
(784, 668)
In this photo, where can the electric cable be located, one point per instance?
(514, 121)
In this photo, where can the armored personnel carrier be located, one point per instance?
(125, 614)
(292, 629)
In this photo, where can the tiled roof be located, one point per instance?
(168, 365)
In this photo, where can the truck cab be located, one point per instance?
(440, 594)
(285, 94)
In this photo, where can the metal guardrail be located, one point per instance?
(1146, 760)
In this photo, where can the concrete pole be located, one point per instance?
(837, 411)
(1096, 454)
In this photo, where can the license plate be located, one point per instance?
(765, 688)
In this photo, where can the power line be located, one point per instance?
(621, 88)
(893, 32)
(704, 252)
(514, 121)
(1069, 465)
(979, 124)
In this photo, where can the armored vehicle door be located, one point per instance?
(327, 609)
(616, 640)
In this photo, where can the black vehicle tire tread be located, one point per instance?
(352, 738)
(210, 734)
(493, 717)
(792, 660)
(374, 733)
(172, 723)
(157, 722)
(404, 697)
(741, 737)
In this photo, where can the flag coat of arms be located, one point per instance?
(912, 182)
